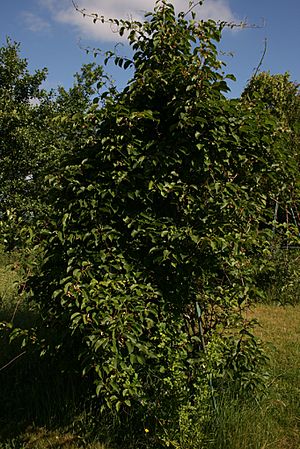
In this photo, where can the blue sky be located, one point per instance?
(52, 33)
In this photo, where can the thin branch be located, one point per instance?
(18, 302)
(12, 361)
(131, 24)
(262, 58)
(193, 6)
(243, 24)
(101, 18)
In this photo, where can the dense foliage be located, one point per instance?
(158, 228)
(21, 124)
(280, 96)
(36, 130)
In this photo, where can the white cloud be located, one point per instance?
(35, 23)
(63, 11)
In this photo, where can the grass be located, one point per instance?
(273, 422)
(280, 326)
(41, 438)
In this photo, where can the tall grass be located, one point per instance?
(274, 421)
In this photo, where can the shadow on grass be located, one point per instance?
(34, 392)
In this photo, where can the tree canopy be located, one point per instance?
(20, 93)
(37, 128)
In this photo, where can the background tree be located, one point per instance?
(20, 94)
(280, 96)
(37, 127)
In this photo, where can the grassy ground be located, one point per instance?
(280, 326)
(274, 422)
